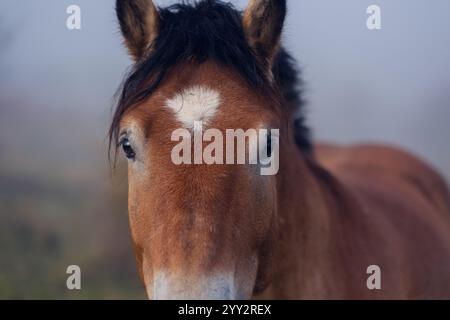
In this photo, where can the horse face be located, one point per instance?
(202, 220)
(201, 229)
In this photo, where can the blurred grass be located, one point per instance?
(45, 228)
(58, 208)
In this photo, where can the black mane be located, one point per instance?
(209, 30)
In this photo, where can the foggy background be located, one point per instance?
(60, 204)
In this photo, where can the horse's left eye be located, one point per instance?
(127, 149)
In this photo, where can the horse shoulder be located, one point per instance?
(398, 199)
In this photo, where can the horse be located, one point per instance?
(313, 230)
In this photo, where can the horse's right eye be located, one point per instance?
(128, 149)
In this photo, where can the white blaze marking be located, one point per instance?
(198, 103)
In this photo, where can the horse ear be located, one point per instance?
(139, 22)
(263, 23)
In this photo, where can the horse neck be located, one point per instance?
(308, 210)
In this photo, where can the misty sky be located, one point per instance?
(391, 85)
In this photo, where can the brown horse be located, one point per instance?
(313, 230)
